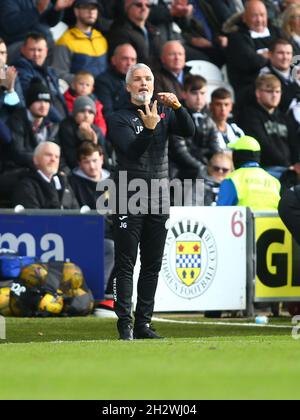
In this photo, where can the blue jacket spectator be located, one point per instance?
(9, 102)
(18, 17)
(32, 65)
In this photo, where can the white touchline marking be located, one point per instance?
(227, 324)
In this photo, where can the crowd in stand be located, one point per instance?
(64, 91)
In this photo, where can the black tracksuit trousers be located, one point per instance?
(130, 231)
(289, 211)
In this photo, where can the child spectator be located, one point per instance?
(221, 108)
(83, 85)
(79, 127)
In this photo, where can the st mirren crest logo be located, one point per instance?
(190, 260)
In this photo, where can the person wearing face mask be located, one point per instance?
(140, 135)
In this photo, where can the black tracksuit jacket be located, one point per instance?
(143, 153)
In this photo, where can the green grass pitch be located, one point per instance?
(82, 359)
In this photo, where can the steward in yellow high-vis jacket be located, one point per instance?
(249, 185)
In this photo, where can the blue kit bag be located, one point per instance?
(12, 265)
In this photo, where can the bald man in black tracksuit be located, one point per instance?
(140, 136)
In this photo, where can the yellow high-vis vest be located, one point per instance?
(256, 189)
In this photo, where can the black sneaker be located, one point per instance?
(145, 332)
(126, 332)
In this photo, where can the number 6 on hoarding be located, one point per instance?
(237, 224)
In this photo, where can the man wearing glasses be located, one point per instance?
(134, 29)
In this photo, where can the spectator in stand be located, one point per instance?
(5, 139)
(249, 185)
(291, 26)
(88, 173)
(83, 85)
(5, 135)
(225, 9)
(248, 48)
(84, 180)
(134, 29)
(30, 127)
(11, 95)
(170, 77)
(163, 16)
(32, 64)
(219, 167)
(81, 47)
(281, 60)
(274, 130)
(110, 86)
(79, 127)
(274, 9)
(221, 110)
(191, 155)
(285, 4)
(203, 33)
(109, 11)
(18, 17)
(43, 187)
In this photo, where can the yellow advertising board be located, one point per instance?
(278, 261)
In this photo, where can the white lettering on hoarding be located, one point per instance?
(52, 245)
